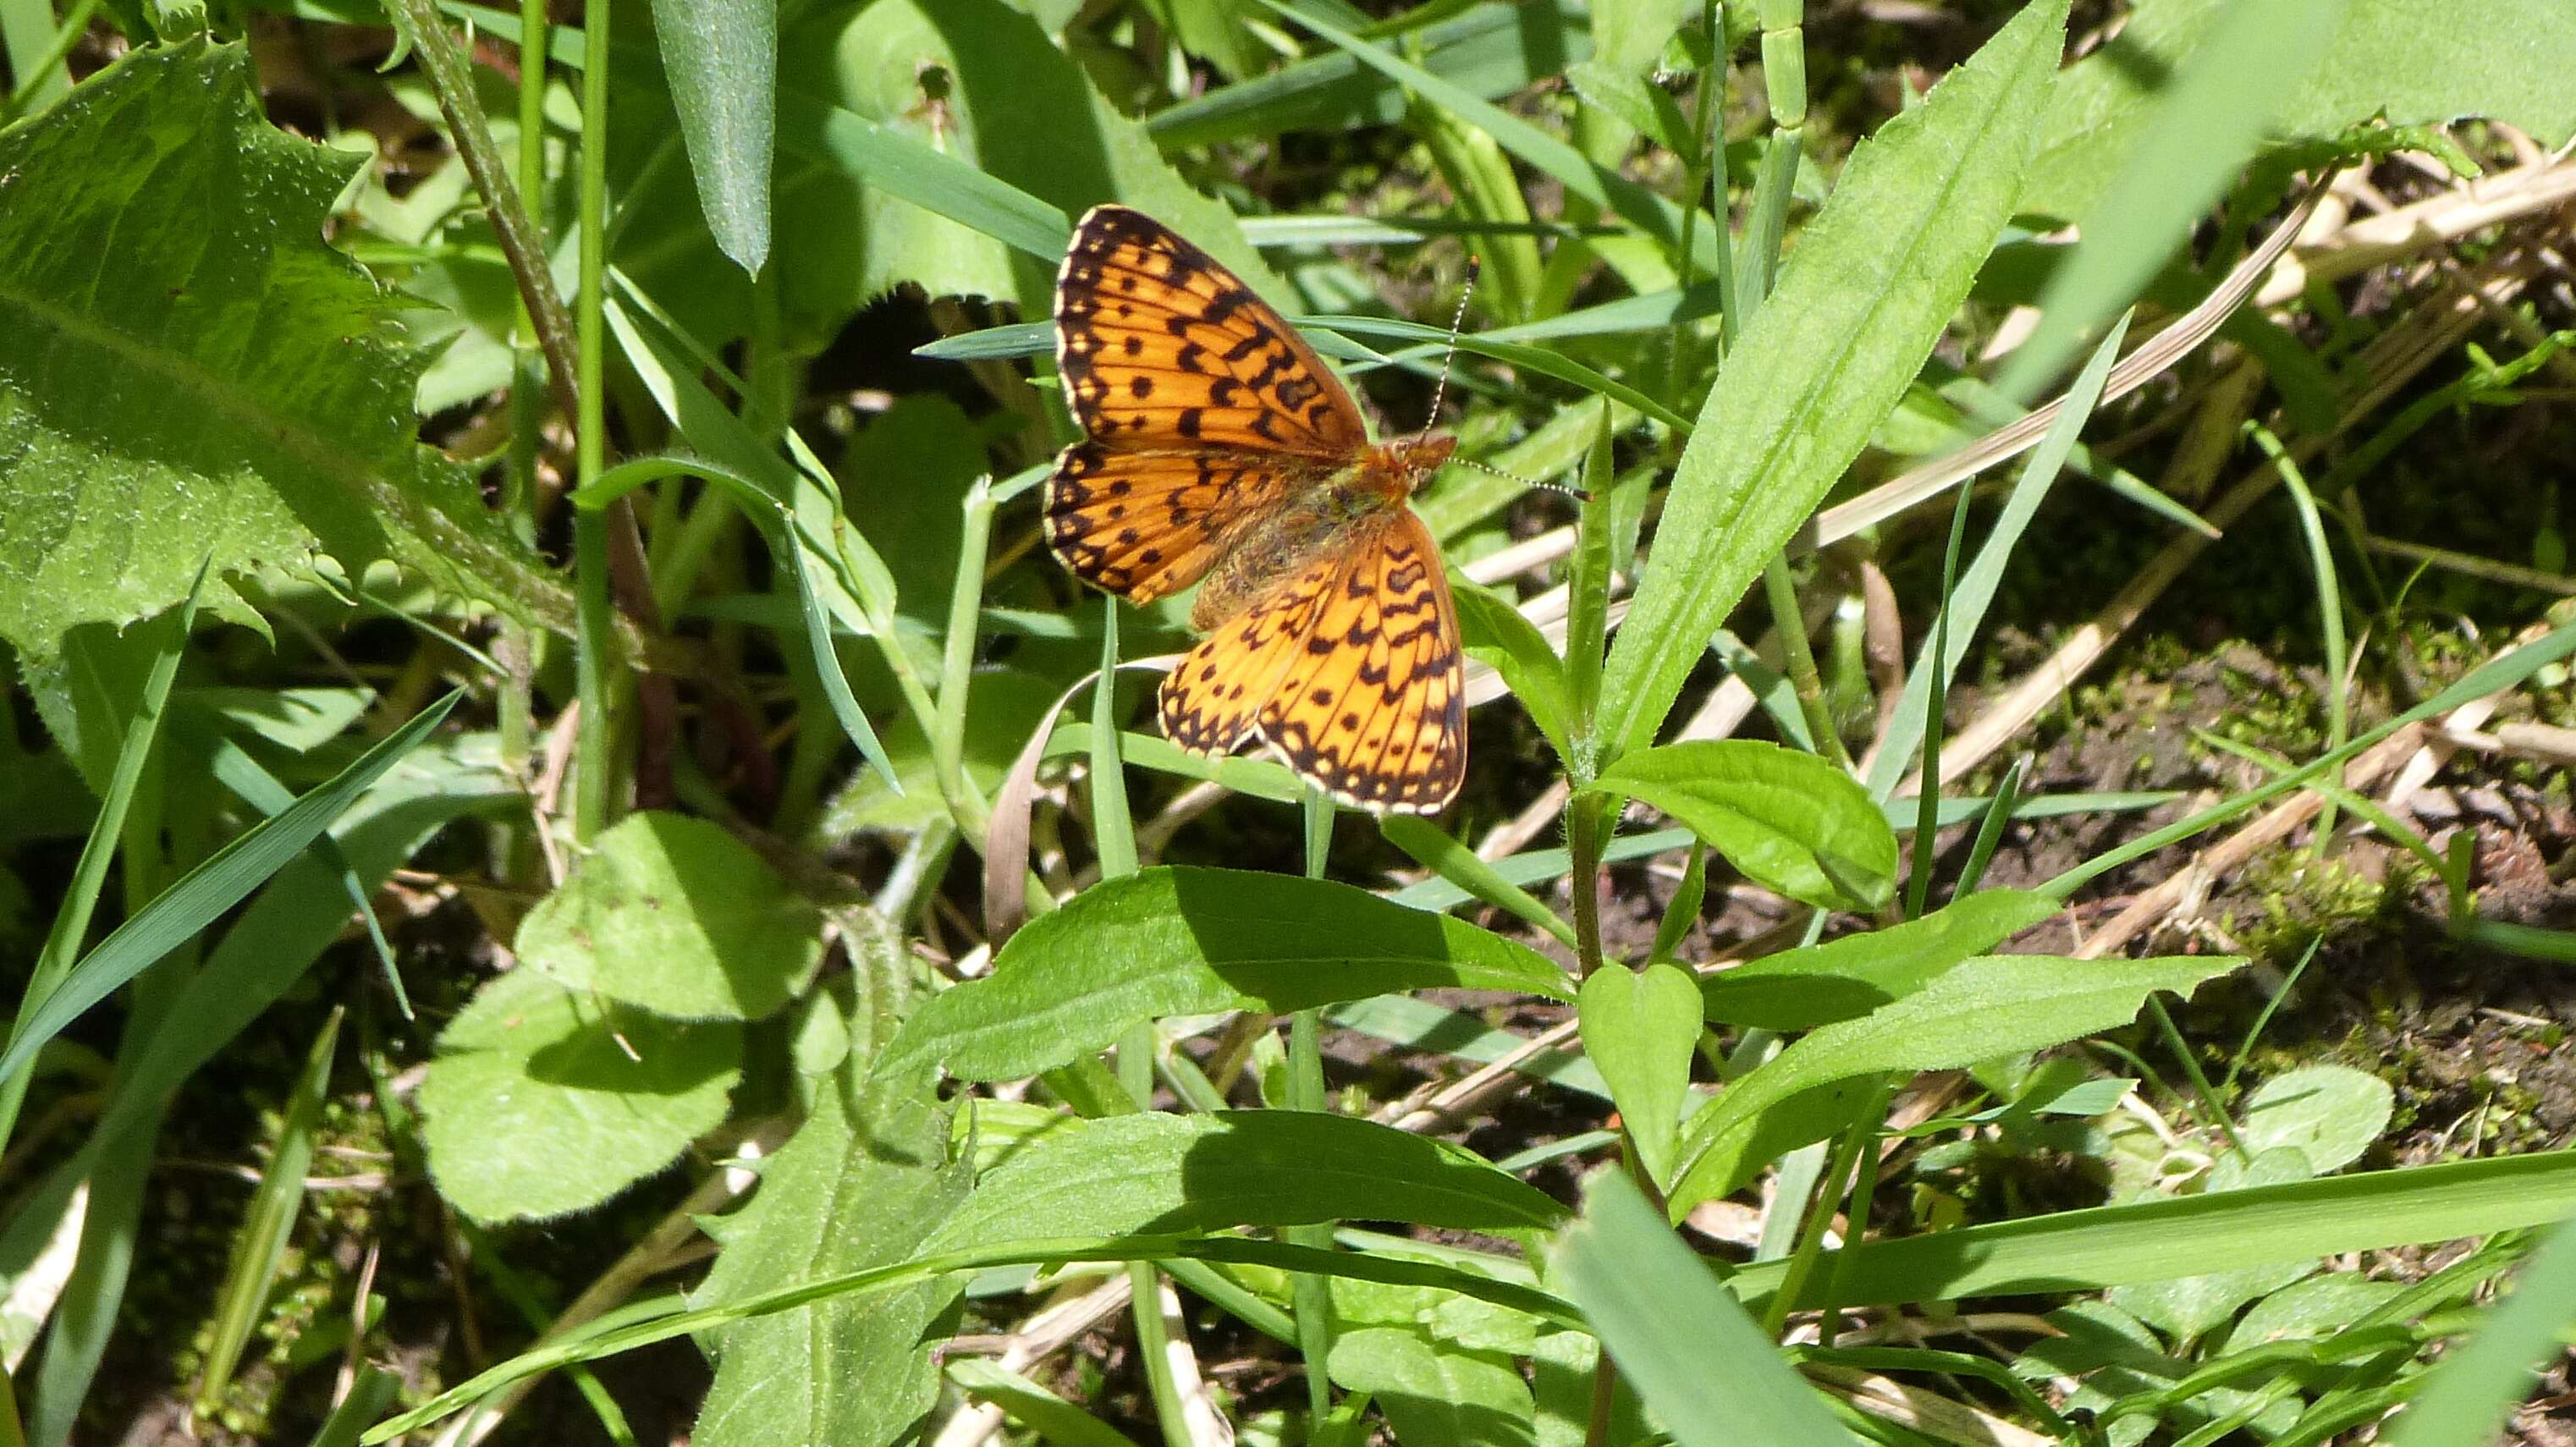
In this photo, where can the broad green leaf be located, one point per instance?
(1704, 1369)
(2206, 122)
(1788, 820)
(1191, 941)
(2107, 1245)
(674, 915)
(721, 57)
(2470, 1395)
(1842, 979)
(1875, 278)
(1981, 1010)
(189, 375)
(2188, 1307)
(542, 1101)
(2317, 1307)
(2416, 64)
(860, 1185)
(1490, 50)
(1494, 633)
(1434, 1393)
(977, 82)
(2330, 1113)
(2420, 65)
(205, 892)
(1628, 40)
(1157, 1173)
(1640, 1027)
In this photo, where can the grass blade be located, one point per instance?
(206, 891)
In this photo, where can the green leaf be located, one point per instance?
(1434, 1393)
(843, 1195)
(1188, 941)
(1055, 1420)
(1604, 186)
(2107, 1245)
(1981, 1010)
(2330, 1113)
(1491, 50)
(2416, 64)
(2206, 122)
(1704, 1369)
(260, 1246)
(676, 916)
(2429, 66)
(2188, 1307)
(1641, 1028)
(1158, 1173)
(1451, 859)
(194, 901)
(541, 1101)
(298, 915)
(976, 82)
(721, 57)
(1842, 979)
(1788, 820)
(1494, 633)
(1875, 278)
(2471, 1393)
(189, 375)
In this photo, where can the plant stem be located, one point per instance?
(590, 527)
(1799, 658)
(1312, 1295)
(521, 242)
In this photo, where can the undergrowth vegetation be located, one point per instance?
(575, 870)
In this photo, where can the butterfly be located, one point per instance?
(1222, 449)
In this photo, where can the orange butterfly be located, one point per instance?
(1221, 447)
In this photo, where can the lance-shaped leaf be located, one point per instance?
(1874, 280)
(722, 60)
(1189, 941)
(1788, 820)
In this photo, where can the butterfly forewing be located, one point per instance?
(1160, 348)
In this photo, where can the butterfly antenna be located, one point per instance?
(1457, 319)
(1475, 266)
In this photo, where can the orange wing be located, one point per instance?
(1350, 669)
(1162, 349)
(1212, 701)
(1143, 524)
(1374, 708)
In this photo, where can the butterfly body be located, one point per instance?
(1223, 452)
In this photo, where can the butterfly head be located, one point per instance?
(1414, 459)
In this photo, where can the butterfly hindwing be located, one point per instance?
(1373, 705)
(1212, 700)
(1161, 348)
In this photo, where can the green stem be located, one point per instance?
(957, 656)
(1798, 657)
(1312, 1294)
(598, 635)
(566, 343)
(1811, 1235)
